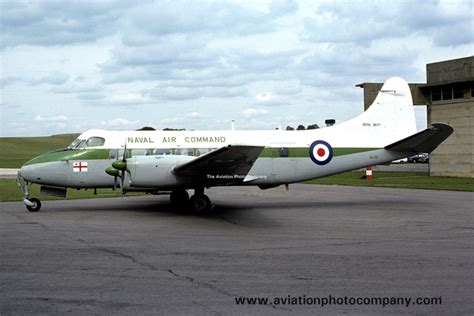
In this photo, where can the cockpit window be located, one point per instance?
(78, 143)
(95, 142)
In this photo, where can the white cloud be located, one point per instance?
(56, 118)
(184, 93)
(56, 78)
(171, 120)
(287, 87)
(128, 99)
(264, 96)
(161, 60)
(252, 112)
(119, 122)
(267, 98)
(194, 114)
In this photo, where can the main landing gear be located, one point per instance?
(199, 203)
(32, 204)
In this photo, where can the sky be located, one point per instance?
(69, 66)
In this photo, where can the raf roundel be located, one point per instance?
(320, 152)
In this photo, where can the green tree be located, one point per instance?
(146, 128)
(174, 129)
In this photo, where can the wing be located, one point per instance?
(423, 142)
(228, 164)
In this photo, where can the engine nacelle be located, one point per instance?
(154, 171)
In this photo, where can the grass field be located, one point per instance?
(412, 180)
(15, 151)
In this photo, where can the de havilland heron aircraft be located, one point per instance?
(178, 161)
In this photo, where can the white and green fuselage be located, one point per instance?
(285, 157)
(166, 160)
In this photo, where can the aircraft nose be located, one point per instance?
(27, 173)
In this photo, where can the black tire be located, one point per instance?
(179, 197)
(200, 204)
(36, 207)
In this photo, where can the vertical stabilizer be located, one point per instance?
(391, 116)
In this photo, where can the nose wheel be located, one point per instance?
(33, 204)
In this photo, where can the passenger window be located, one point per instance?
(183, 152)
(202, 151)
(138, 152)
(163, 151)
(95, 142)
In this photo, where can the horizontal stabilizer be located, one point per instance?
(423, 142)
(228, 160)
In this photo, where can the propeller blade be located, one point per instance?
(122, 179)
(125, 153)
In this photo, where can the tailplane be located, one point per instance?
(425, 141)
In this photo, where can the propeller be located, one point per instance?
(118, 169)
(115, 173)
(124, 161)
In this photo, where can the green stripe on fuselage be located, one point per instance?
(74, 154)
(268, 152)
(302, 152)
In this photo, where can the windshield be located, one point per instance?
(91, 142)
(78, 143)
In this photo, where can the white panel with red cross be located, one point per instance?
(79, 166)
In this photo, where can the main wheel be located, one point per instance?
(179, 197)
(200, 204)
(36, 207)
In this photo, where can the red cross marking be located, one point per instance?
(80, 166)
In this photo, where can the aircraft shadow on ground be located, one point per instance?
(226, 208)
(233, 213)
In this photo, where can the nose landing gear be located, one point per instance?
(32, 204)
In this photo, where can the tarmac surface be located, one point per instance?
(136, 255)
(8, 173)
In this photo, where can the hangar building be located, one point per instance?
(449, 96)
